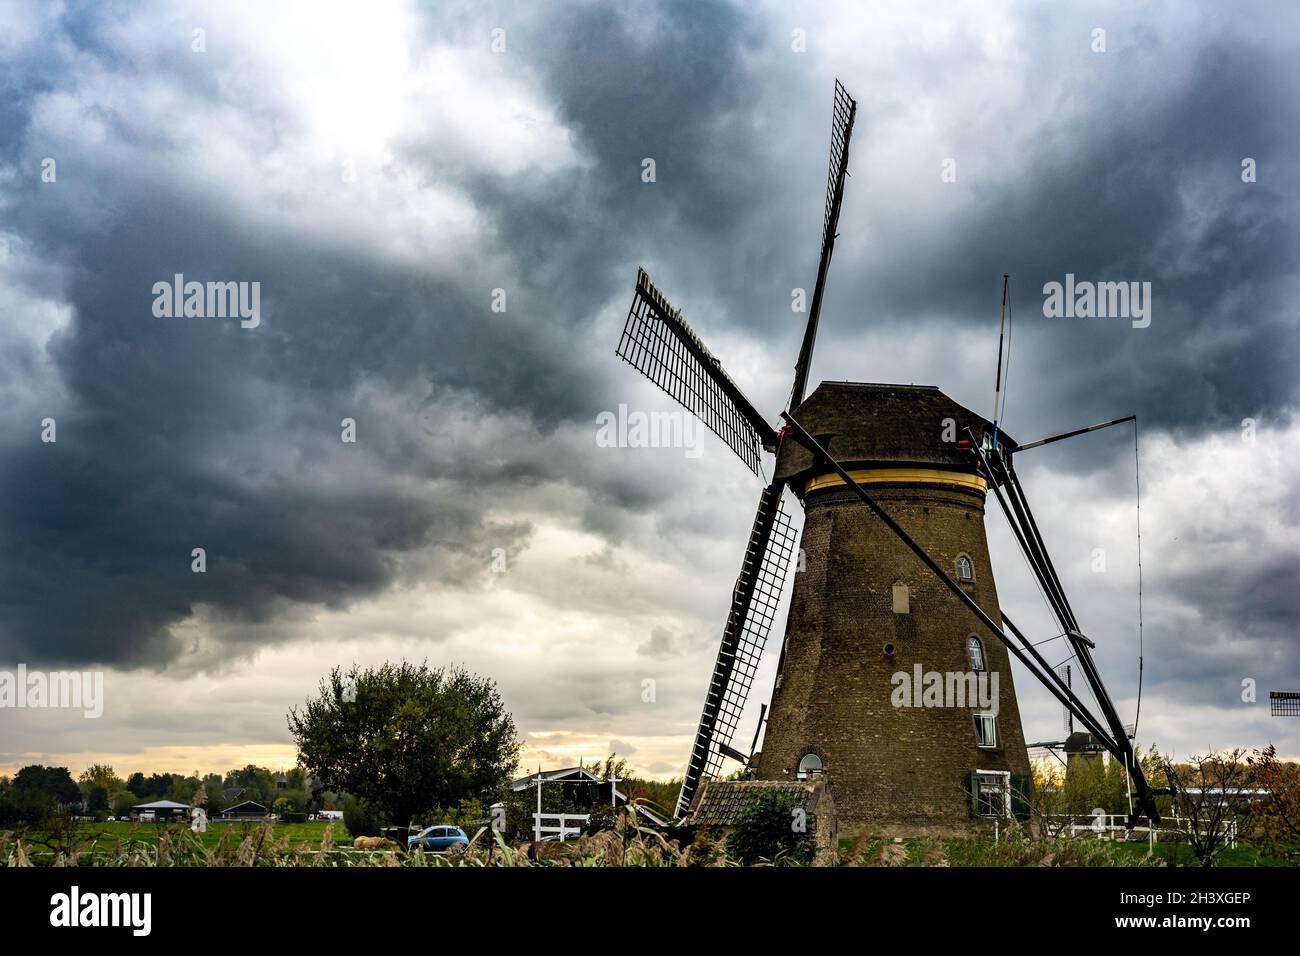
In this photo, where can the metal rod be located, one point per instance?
(1081, 645)
(997, 383)
(1055, 597)
(821, 455)
(1079, 709)
(1077, 431)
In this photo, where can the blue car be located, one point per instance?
(437, 839)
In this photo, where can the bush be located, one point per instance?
(765, 829)
(20, 808)
(603, 817)
(360, 818)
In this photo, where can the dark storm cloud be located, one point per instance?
(186, 433)
(1149, 192)
(181, 434)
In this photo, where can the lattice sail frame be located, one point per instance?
(841, 118)
(1284, 703)
(657, 342)
(773, 543)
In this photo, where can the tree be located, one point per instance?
(1278, 810)
(258, 783)
(1207, 800)
(182, 789)
(102, 775)
(407, 738)
(657, 794)
(121, 802)
(96, 800)
(360, 819)
(137, 784)
(54, 782)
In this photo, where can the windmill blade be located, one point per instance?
(658, 342)
(1065, 674)
(753, 609)
(843, 112)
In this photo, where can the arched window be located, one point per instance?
(810, 763)
(965, 570)
(976, 650)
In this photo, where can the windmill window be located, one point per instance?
(902, 602)
(991, 796)
(810, 763)
(976, 650)
(986, 730)
(965, 570)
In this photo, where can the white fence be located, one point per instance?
(565, 831)
(1107, 826)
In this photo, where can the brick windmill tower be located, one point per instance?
(894, 688)
(871, 629)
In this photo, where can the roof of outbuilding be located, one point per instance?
(720, 801)
(161, 805)
(246, 804)
(567, 775)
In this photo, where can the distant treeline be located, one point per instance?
(100, 792)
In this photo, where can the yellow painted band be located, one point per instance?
(920, 476)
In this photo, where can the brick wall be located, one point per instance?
(894, 770)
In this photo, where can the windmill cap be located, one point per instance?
(872, 425)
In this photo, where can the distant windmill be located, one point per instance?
(1284, 703)
(895, 579)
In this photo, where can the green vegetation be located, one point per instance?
(407, 738)
(624, 844)
(772, 827)
(1016, 851)
(108, 844)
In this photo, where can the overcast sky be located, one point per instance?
(381, 172)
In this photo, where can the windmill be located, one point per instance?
(931, 463)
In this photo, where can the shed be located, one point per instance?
(248, 810)
(162, 809)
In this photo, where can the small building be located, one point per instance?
(248, 810)
(578, 786)
(160, 810)
(719, 803)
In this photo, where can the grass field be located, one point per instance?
(305, 844)
(97, 840)
(1075, 852)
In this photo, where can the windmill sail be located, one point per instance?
(1065, 675)
(843, 111)
(753, 610)
(658, 342)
